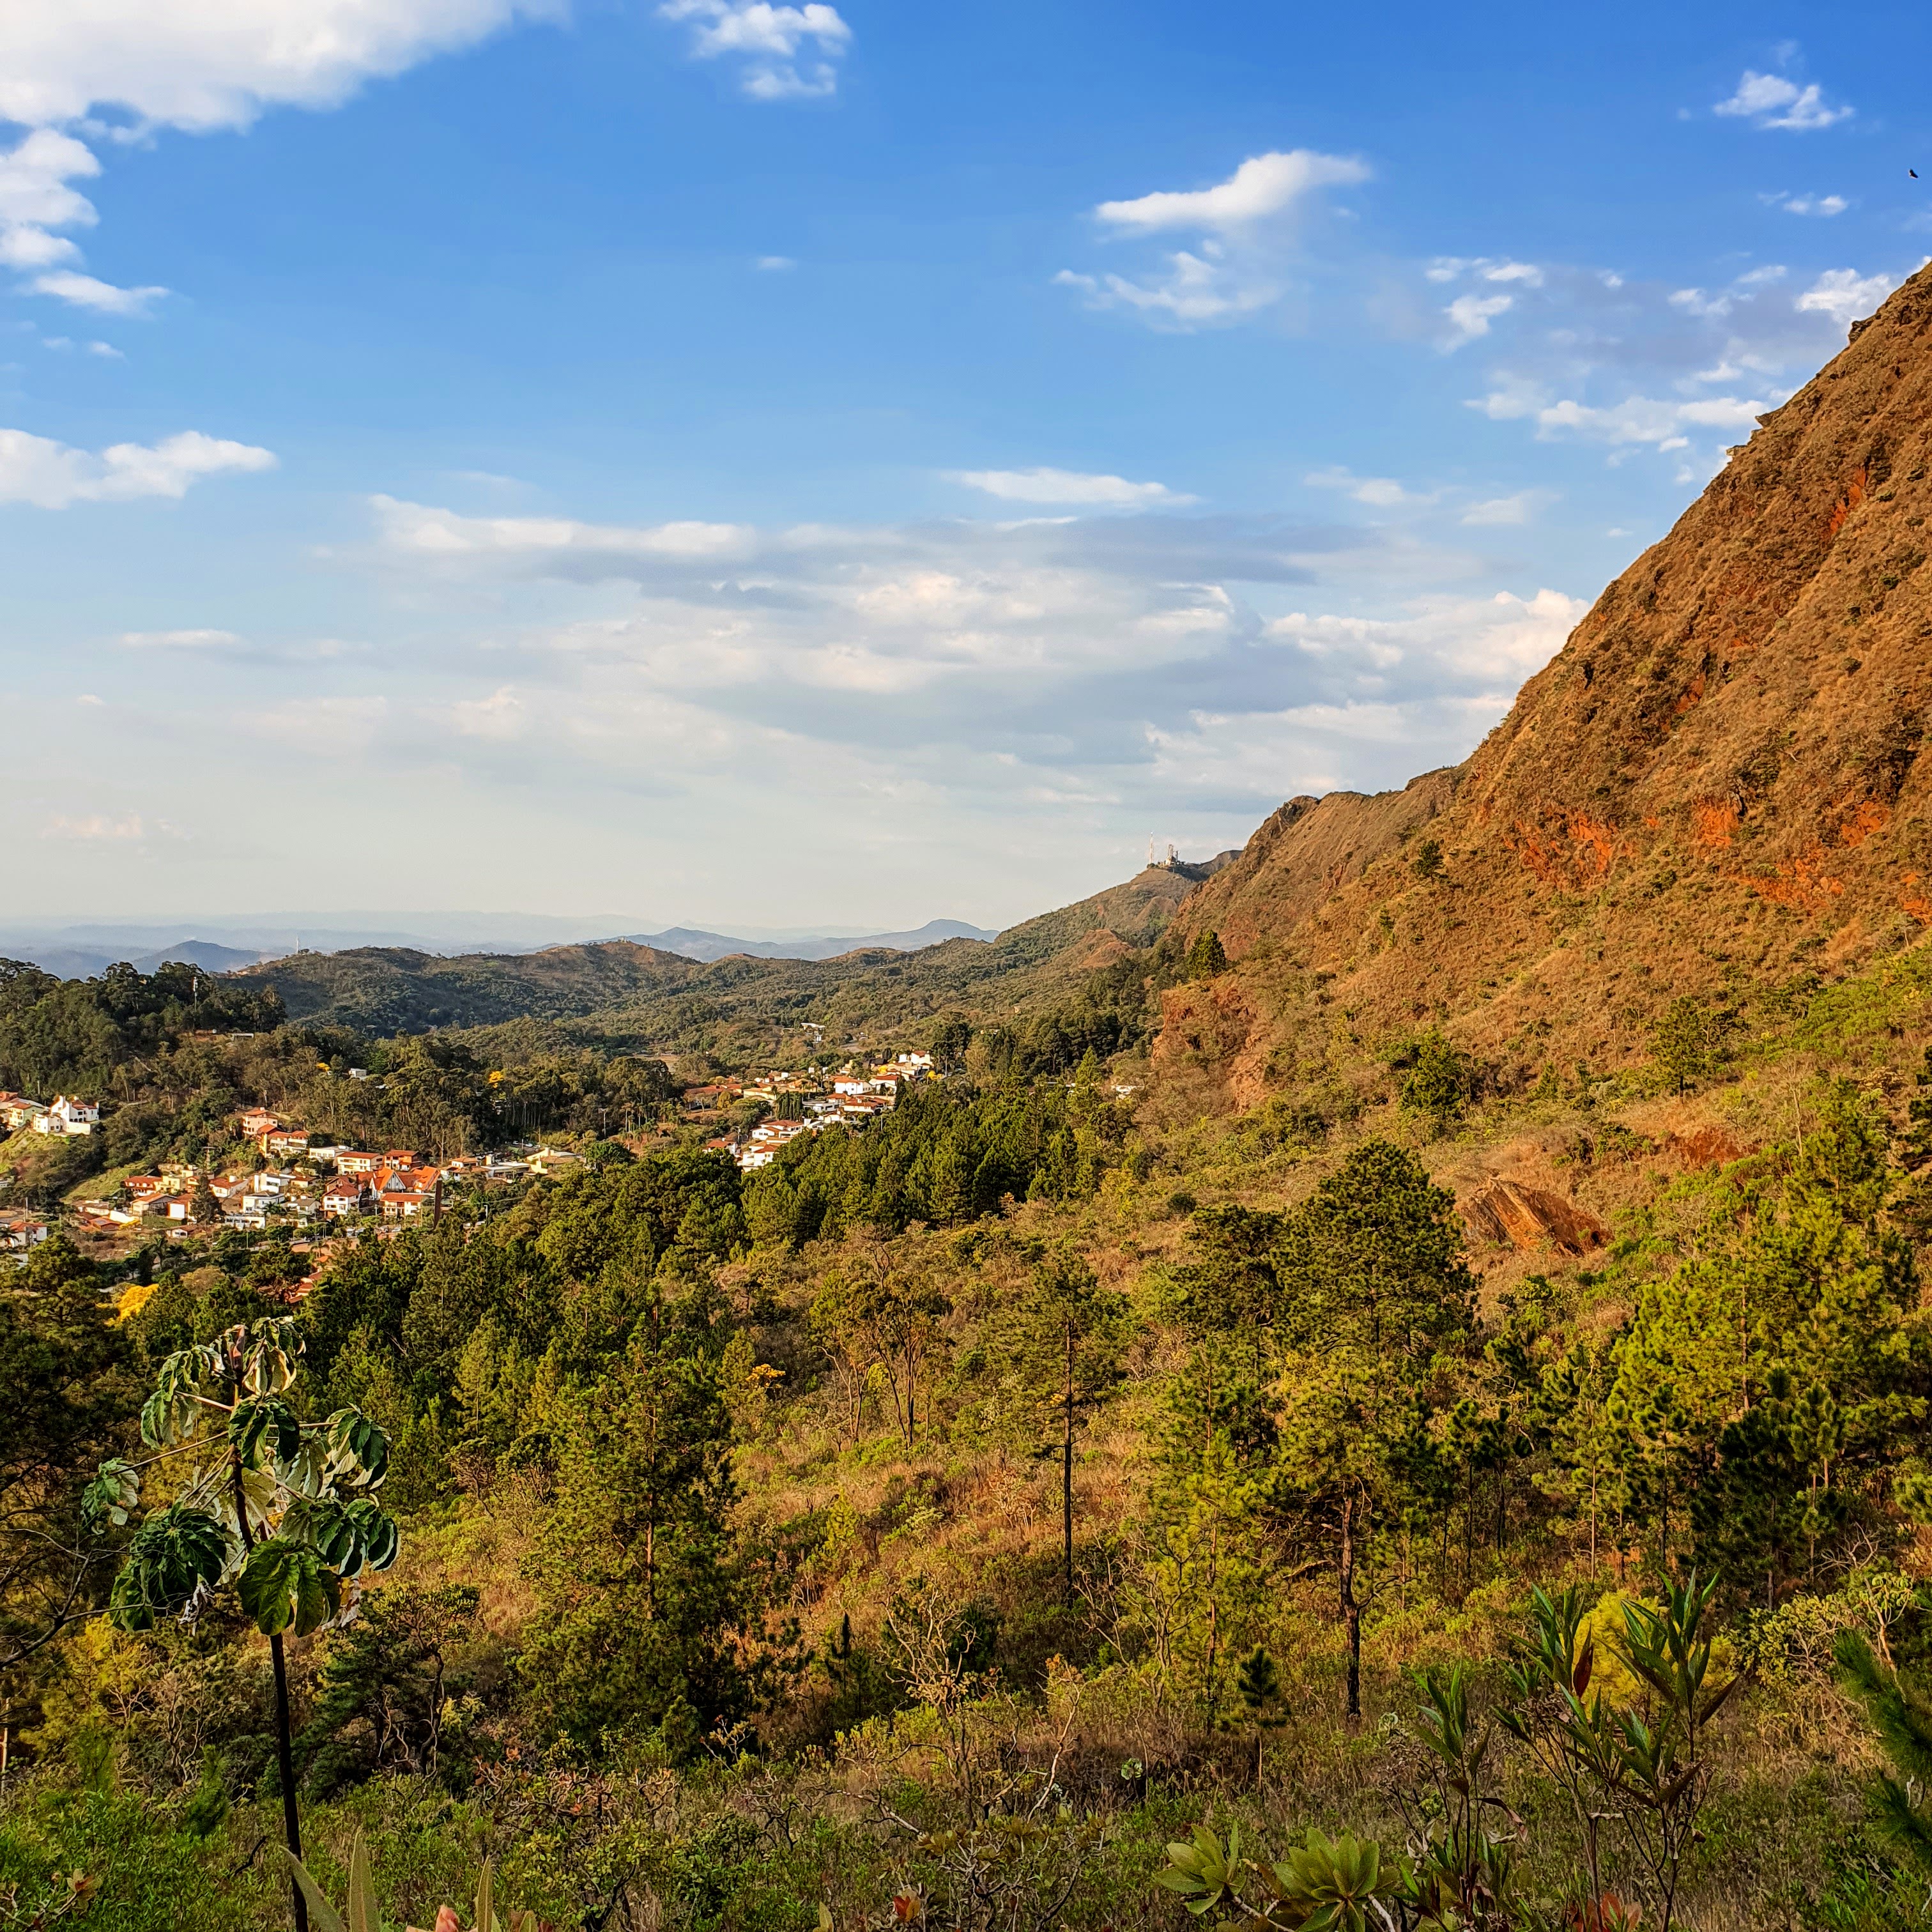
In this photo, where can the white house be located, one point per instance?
(68, 1116)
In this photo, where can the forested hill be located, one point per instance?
(620, 993)
(392, 989)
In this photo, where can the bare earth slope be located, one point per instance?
(1715, 783)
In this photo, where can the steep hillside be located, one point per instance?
(631, 995)
(1714, 788)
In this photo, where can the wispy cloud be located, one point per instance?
(183, 640)
(1775, 100)
(1597, 356)
(1496, 511)
(1241, 262)
(34, 469)
(770, 40)
(1066, 487)
(1381, 493)
(90, 292)
(1845, 295)
(1806, 204)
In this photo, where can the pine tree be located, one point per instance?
(1901, 1711)
(1375, 1293)
(1205, 957)
(1684, 1045)
(651, 1612)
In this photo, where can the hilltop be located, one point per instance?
(1714, 789)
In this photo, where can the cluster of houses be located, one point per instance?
(809, 1103)
(61, 1115)
(307, 1183)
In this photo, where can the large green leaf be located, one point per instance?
(187, 1377)
(112, 1496)
(283, 1585)
(173, 1553)
(358, 1449)
(264, 1429)
(269, 1354)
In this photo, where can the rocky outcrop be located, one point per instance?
(1504, 1212)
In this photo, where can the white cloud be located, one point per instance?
(1634, 364)
(775, 264)
(1407, 692)
(1806, 204)
(1772, 100)
(188, 641)
(1501, 510)
(201, 64)
(1240, 265)
(87, 292)
(1195, 288)
(34, 469)
(425, 531)
(1066, 486)
(770, 40)
(1485, 638)
(1470, 316)
(502, 716)
(1846, 295)
(1484, 267)
(36, 197)
(1381, 493)
(1636, 420)
(1262, 186)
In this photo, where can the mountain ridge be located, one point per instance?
(1714, 784)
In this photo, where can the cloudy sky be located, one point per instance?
(765, 465)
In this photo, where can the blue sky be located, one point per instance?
(756, 465)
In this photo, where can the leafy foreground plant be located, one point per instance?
(1642, 1766)
(284, 1511)
(360, 1912)
(1326, 1884)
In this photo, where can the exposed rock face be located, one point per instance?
(1717, 778)
(1503, 1210)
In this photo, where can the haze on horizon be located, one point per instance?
(828, 468)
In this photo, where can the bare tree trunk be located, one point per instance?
(285, 1762)
(1067, 1470)
(1351, 1611)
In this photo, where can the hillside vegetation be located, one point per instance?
(621, 995)
(1387, 1387)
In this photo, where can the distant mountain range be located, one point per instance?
(89, 962)
(85, 951)
(692, 944)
